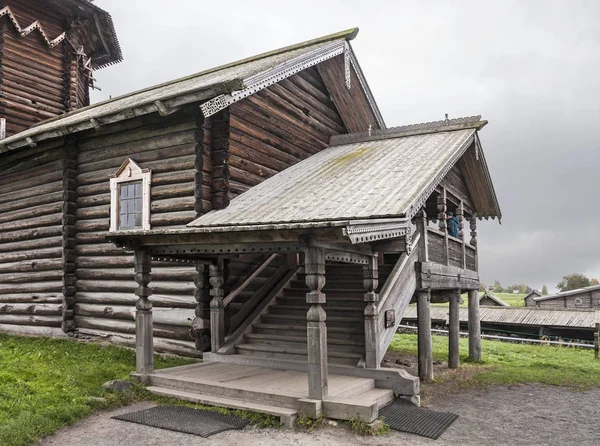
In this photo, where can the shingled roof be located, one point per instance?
(387, 174)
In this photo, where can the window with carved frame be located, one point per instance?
(130, 197)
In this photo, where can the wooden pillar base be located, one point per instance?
(474, 326)
(453, 331)
(425, 345)
(217, 311)
(144, 344)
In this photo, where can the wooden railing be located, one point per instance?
(450, 251)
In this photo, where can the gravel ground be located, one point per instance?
(519, 415)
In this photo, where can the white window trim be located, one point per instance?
(130, 171)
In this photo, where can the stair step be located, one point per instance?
(294, 354)
(301, 310)
(358, 319)
(300, 342)
(330, 295)
(222, 390)
(339, 303)
(287, 416)
(340, 333)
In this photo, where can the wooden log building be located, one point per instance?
(582, 298)
(258, 214)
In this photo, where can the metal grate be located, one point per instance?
(402, 415)
(183, 419)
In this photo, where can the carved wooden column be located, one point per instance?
(217, 312)
(443, 223)
(453, 330)
(144, 343)
(474, 326)
(421, 223)
(316, 330)
(473, 242)
(425, 348)
(370, 283)
(201, 323)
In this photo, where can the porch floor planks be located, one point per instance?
(278, 382)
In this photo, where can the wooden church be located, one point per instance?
(259, 215)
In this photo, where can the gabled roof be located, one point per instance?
(586, 289)
(389, 174)
(218, 86)
(499, 301)
(533, 293)
(102, 30)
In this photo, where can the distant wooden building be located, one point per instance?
(258, 214)
(588, 297)
(529, 299)
(489, 300)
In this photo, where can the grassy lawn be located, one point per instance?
(508, 363)
(48, 383)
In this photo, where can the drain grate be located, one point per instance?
(184, 419)
(404, 416)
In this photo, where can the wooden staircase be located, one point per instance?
(280, 332)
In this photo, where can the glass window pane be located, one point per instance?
(138, 189)
(138, 220)
(124, 191)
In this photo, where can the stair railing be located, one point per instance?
(227, 300)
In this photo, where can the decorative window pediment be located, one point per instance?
(130, 197)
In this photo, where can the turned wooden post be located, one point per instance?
(474, 326)
(453, 330)
(370, 283)
(425, 346)
(316, 329)
(201, 323)
(217, 312)
(443, 222)
(144, 344)
(473, 242)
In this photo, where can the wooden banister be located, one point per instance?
(246, 282)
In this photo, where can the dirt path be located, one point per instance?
(527, 414)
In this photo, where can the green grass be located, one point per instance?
(514, 300)
(47, 383)
(508, 363)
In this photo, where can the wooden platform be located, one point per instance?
(282, 393)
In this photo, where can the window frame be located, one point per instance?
(130, 171)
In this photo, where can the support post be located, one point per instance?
(460, 214)
(421, 223)
(596, 344)
(424, 335)
(443, 223)
(316, 329)
(201, 324)
(144, 343)
(453, 330)
(473, 242)
(474, 326)
(217, 311)
(370, 283)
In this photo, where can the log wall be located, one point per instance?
(585, 299)
(31, 238)
(278, 127)
(105, 286)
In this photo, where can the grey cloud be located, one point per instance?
(530, 68)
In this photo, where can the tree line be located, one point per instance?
(569, 282)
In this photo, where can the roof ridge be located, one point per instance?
(423, 128)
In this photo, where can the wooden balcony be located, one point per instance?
(450, 251)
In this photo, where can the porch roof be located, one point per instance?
(387, 174)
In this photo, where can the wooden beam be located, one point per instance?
(370, 283)
(217, 312)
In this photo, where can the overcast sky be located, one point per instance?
(532, 69)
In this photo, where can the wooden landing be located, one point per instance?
(276, 392)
